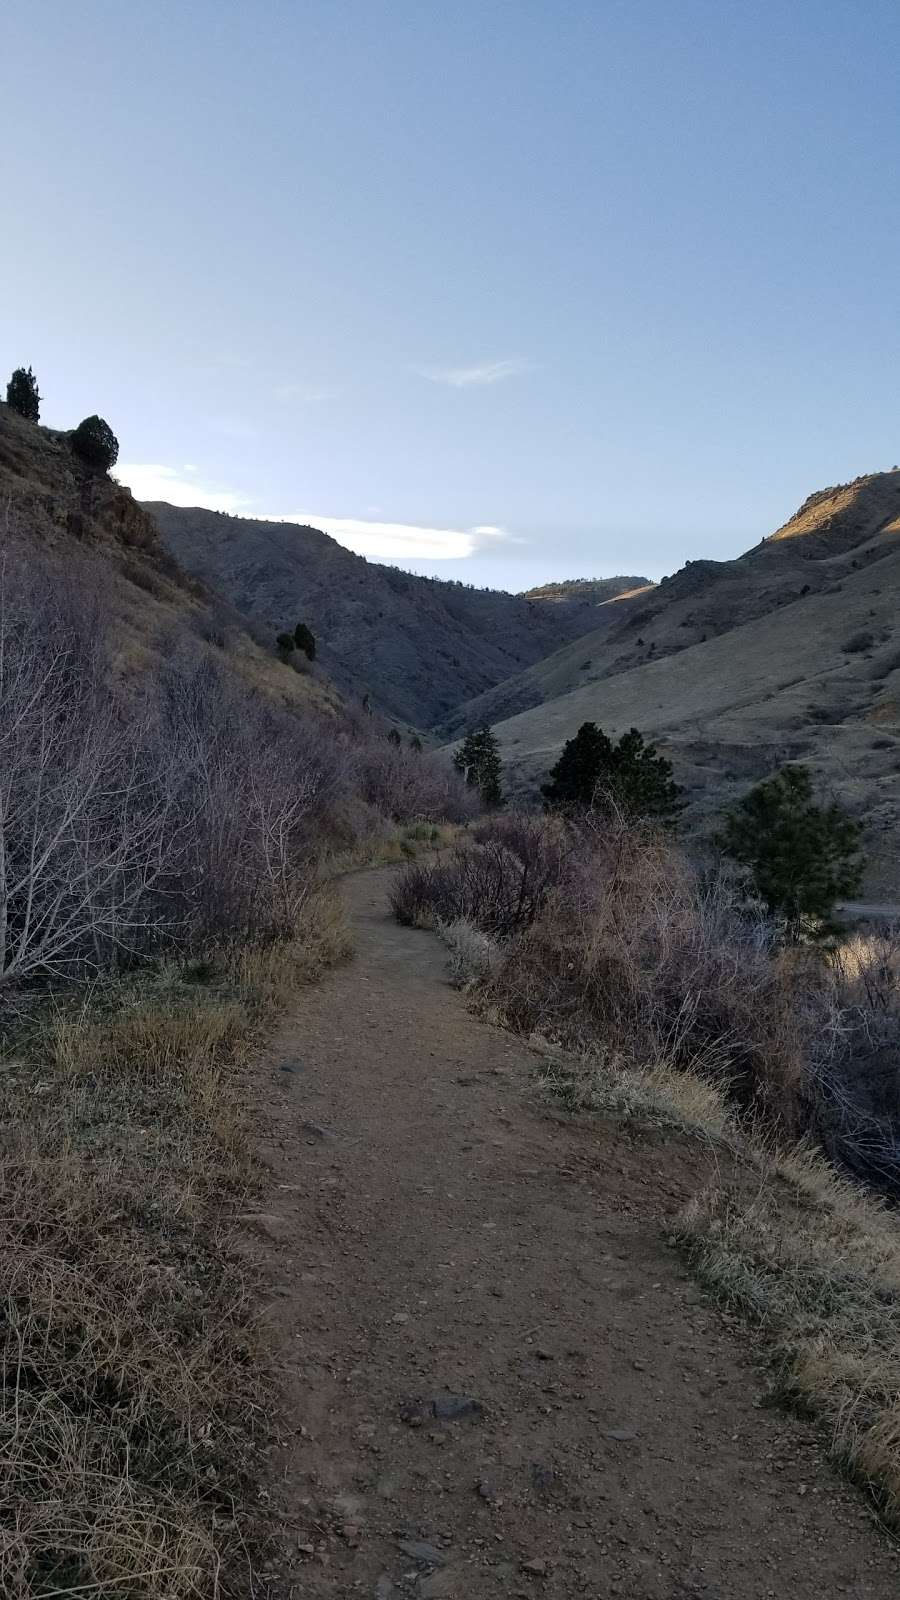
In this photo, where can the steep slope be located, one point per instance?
(791, 652)
(50, 501)
(418, 646)
(834, 534)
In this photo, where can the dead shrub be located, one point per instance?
(498, 883)
(639, 952)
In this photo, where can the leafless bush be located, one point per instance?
(855, 1057)
(499, 883)
(187, 808)
(409, 785)
(84, 815)
(639, 951)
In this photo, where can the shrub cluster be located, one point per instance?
(613, 941)
(195, 814)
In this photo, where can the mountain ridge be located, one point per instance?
(414, 646)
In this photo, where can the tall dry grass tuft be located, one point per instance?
(815, 1264)
(133, 1407)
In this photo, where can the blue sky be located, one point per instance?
(497, 289)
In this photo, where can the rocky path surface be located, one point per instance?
(498, 1380)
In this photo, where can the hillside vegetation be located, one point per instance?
(789, 653)
(416, 646)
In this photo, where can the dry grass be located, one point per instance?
(403, 843)
(656, 1096)
(814, 1263)
(132, 1404)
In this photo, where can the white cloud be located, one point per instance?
(380, 541)
(485, 372)
(178, 486)
(397, 541)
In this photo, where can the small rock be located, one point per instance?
(273, 1227)
(316, 1129)
(385, 1589)
(448, 1407)
(400, 1316)
(543, 1353)
(419, 1550)
(486, 1491)
(538, 1567)
(621, 1433)
(306, 1549)
(435, 1585)
(413, 1413)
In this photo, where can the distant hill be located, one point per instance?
(789, 653)
(599, 590)
(417, 646)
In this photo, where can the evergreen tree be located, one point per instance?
(629, 777)
(285, 643)
(478, 759)
(394, 737)
(22, 394)
(573, 781)
(802, 857)
(415, 743)
(94, 441)
(305, 640)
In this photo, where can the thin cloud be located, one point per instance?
(483, 373)
(398, 541)
(179, 486)
(376, 539)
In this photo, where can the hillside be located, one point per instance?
(51, 501)
(597, 589)
(791, 652)
(417, 646)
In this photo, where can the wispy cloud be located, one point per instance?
(305, 394)
(396, 541)
(179, 486)
(481, 374)
(367, 536)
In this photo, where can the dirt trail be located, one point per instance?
(433, 1231)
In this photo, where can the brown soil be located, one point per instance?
(433, 1229)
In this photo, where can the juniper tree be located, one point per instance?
(802, 857)
(94, 441)
(22, 394)
(478, 759)
(305, 640)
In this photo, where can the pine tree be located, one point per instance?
(22, 394)
(802, 857)
(573, 781)
(629, 777)
(478, 759)
(394, 737)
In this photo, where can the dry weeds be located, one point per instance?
(814, 1263)
(132, 1406)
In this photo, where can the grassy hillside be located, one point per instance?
(597, 589)
(791, 652)
(417, 646)
(47, 497)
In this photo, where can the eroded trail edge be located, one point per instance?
(497, 1378)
